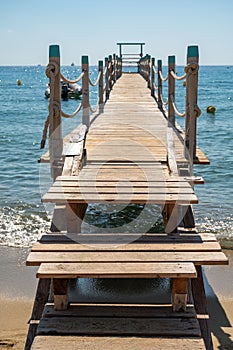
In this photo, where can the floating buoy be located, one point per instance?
(210, 109)
(184, 83)
(18, 82)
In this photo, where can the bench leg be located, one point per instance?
(171, 218)
(179, 294)
(41, 299)
(74, 216)
(200, 303)
(60, 293)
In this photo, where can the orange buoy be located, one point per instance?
(18, 82)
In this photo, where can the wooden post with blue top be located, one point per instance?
(160, 104)
(192, 110)
(152, 77)
(101, 85)
(171, 90)
(55, 134)
(85, 91)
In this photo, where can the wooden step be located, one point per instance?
(115, 343)
(203, 258)
(117, 270)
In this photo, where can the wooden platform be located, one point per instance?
(154, 256)
(129, 155)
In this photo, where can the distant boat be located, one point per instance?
(72, 64)
(67, 91)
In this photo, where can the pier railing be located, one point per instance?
(148, 70)
(108, 72)
(107, 76)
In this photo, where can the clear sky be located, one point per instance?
(93, 27)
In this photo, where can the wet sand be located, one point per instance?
(18, 285)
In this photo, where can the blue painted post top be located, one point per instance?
(54, 51)
(159, 62)
(84, 59)
(171, 59)
(193, 51)
(100, 63)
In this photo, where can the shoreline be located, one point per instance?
(17, 294)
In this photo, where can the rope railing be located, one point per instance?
(108, 73)
(176, 77)
(112, 71)
(175, 108)
(72, 115)
(162, 77)
(68, 81)
(149, 72)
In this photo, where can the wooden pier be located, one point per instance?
(130, 150)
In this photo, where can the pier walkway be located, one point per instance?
(130, 153)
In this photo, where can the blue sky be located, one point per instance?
(91, 27)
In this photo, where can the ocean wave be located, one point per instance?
(21, 225)
(221, 227)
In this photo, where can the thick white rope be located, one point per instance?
(154, 70)
(176, 77)
(164, 103)
(97, 80)
(66, 80)
(175, 108)
(161, 76)
(93, 110)
(65, 115)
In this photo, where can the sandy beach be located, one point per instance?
(18, 285)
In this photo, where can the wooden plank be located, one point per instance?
(120, 326)
(117, 270)
(105, 244)
(72, 149)
(120, 198)
(115, 343)
(205, 258)
(119, 310)
(82, 189)
(183, 237)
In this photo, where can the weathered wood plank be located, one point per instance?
(115, 343)
(205, 258)
(183, 237)
(105, 244)
(119, 310)
(120, 326)
(117, 270)
(120, 198)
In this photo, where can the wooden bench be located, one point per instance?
(148, 256)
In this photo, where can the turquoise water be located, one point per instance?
(22, 115)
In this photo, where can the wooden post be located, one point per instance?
(85, 92)
(171, 218)
(42, 294)
(148, 71)
(101, 83)
(114, 69)
(171, 90)
(152, 88)
(106, 79)
(159, 63)
(110, 71)
(179, 294)
(55, 133)
(200, 304)
(191, 103)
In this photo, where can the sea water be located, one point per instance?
(23, 111)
